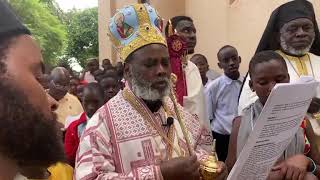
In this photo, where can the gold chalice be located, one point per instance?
(209, 166)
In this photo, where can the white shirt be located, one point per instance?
(207, 84)
(212, 75)
(89, 78)
(222, 103)
(194, 103)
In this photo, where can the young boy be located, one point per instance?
(266, 69)
(91, 68)
(110, 84)
(106, 64)
(74, 82)
(80, 87)
(207, 75)
(222, 98)
(91, 102)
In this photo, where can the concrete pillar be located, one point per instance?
(106, 10)
(211, 21)
(169, 8)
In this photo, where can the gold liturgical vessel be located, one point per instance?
(209, 166)
(178, 52)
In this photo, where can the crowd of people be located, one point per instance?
(156, 112)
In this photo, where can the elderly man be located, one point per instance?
(141, 133)
(28, 137)
(69, 105)
(292, 31)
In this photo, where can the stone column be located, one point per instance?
(106, 10)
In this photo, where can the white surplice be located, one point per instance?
(194, 102)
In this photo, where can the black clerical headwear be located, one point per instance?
(284, 14)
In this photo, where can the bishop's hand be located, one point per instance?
(181, 168)
(222, 171)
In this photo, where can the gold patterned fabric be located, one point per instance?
(299, 62)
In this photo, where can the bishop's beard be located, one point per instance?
(143, 89)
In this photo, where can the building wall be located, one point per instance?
(240, 23)
(105, 49)
(211, 22)
(169, 8)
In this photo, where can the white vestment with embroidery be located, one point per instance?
(119, 143)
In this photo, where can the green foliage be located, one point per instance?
(54, 8)
(45, 26)
(82, 28)
(61, 35)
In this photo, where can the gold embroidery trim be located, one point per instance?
(299, 62)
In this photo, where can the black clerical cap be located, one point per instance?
(9, 22)
(294, 10)
(284, 14)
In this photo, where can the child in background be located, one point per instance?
(92, 100)
(74, 82)
(110, 84)
(80, 87)
(222, 98)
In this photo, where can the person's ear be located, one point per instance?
(239, 59)
(219, 65)
(251, 85)
(53, 104)
(126, 71)
(207, 66)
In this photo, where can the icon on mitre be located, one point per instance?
(124, 29)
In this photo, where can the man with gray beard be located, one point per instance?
(141, 133)
(292, 31)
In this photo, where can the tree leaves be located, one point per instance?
(83, 35)
(47, 29)
(61, 35)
